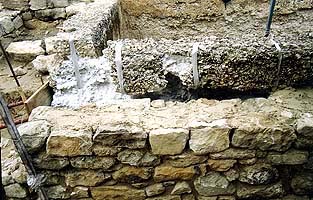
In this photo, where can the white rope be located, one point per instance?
(74, 58)
(194, 56)
(280, 58)
(119, 65)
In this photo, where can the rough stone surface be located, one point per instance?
(167, 173)
(167, 197)
(209, 140)
(185, 160)
(38, 4)
(291, 157)
(213, 184)
(221, 165)
(79, 192)
(265, 191)
(53, 13)
(101, 150)
(73, 143)
(131, 157)
(18, 22)
(15, 191)
(302, 184)
(155, 189)
(44, 161)
(131, 174)
(6, 25)
(116, 192)
(47, 63)
(258, 174)
(57, 192)
(181, 188)
(25, 50)
(84, 178)
(93, 162)
(168, 141)
(60, 3)
(234, 154)
(34, 134)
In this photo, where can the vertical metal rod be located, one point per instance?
(9, 63)
(1, 185)
(19, 145)
(270, 17)
(74, 58)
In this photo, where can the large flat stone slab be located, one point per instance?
(25, 51)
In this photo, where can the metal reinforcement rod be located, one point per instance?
(2, 192)
(19, 145)
(270, 17)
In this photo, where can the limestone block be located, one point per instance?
(20, 5)
(53, 13)
(258, 174)
(79, 192)
(6, 178)
(181, 188)
(166, 197)
(291, 157)
(117, 192)
(60, 3)
(92, 162)
(256, 131)
(34, 134)
(305, 125)
(168, 173)
(264, 191)
(233, 153)
(168, 141)
(131, 174)
(209, 139)
(15, 191)
(25, 50)
(20, 175)
(18, 22)
(213, 184)
(44, 161)
(149, 160)
(185, 160)
(131, 157)
(101, 150)
(57, 192)
(155, 189)
(47, 63)
(38, 4)
(221, 165)
(69, 143)
(27, 16)
(6, 24)
(84, 178)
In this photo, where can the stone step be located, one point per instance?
(25, 51)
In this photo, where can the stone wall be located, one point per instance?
(204, 149)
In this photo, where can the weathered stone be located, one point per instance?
(159, 103)
(226, 198)
(20, 174)
(207, 198)
(140, 185)
(34, 134)
(258, 174)
(6, 178)
(221, 165)
(130, 174)
(101, 150)
(60, 3)
(27, 16)
(181, 188)
(257, 132)
(15, 191)
(155, 189)
(19, 71)
(234, 154)
(44, 161)
(69, 143)
(47, 63)
(84, 178)
(294, 197)
(132, 137)
(209, 139)
(149, 160)
(302, 184)
(305, 125)
(213, 184)
(188, 197)
(185, 160)
(79, 192)
(131, 157)
(117, 192)
(25, 50)
(263, 191)
(54, 13)
(250, 161)
(92, 162)
(168, 141)
(231, 175)
(6, 24)
(291, 157)
(57, 192)
(18, 22)
(167, 197)
(52, 178)
(167, 173)
(20, 5)
(38, 4)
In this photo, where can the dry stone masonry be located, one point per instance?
(204, 149)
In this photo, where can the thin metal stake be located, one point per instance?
(19, 145)
(270, 17)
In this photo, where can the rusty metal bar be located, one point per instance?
(15, 104)
(16, 122)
